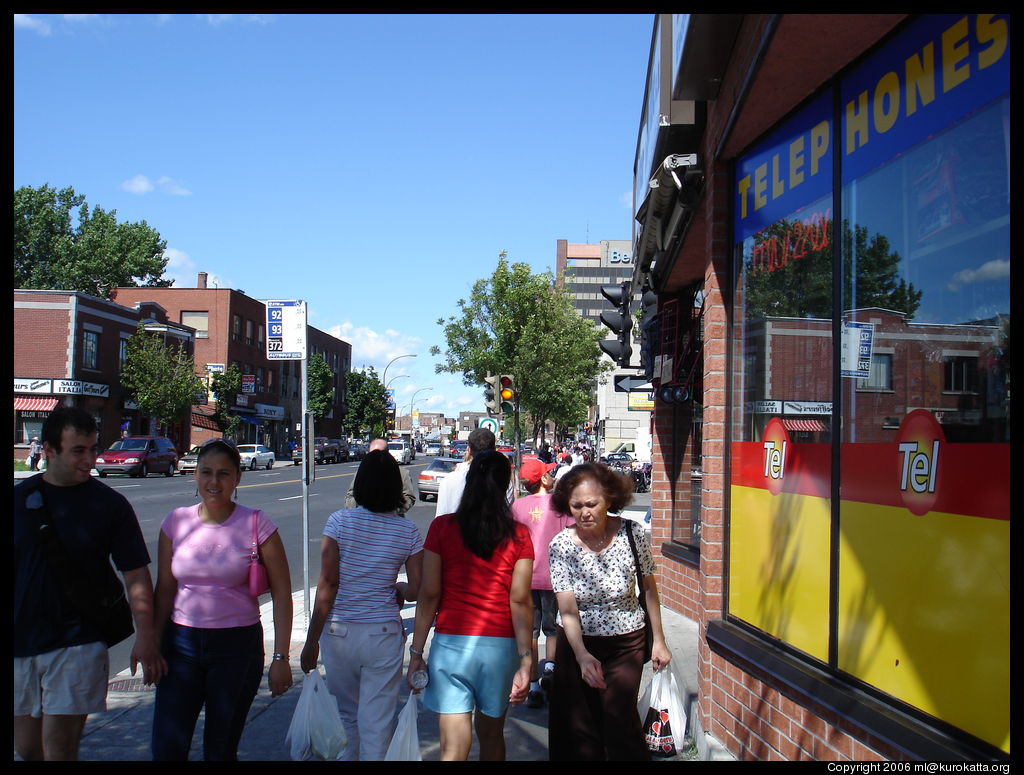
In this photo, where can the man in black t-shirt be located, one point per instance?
(60, 659)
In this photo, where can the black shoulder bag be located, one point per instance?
(648, 631)
(101, 602)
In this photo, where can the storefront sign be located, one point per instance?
(248, 383)
(78, 388)
(28, 385)
(270, 412)
(807, 407)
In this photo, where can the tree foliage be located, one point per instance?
(225, 386)
(94, 255)
(524, 324)
(320, 386)
(792, 276)
(160, 377)
(367, 402)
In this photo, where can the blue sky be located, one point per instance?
(374, 166)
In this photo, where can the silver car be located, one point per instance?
(189, 461)
(256, 456)
(400, 451)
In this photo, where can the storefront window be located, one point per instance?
(871, 339)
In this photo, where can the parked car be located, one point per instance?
(256, 456)
(619, 459)
(400, 451)
(325, 450)
(430, 477)
(341, 445)
(357, 450)
(189, 461)
(139, 456)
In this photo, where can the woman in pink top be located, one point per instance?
(207, 621)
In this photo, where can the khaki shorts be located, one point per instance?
(65, 682)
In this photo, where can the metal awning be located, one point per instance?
(803, 424)
(33, 404)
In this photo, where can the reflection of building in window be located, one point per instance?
(880, 374)
(961, 374)
(90, 349)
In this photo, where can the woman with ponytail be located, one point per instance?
(477, 572)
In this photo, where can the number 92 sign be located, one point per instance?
(286, 330)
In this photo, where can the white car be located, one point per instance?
(256, 456)
(400, 451)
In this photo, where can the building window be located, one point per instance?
(961, 375)
(260, 379)
(259, 336)
(236, 328)
(90, 350)
(249, 333)
(880, 374)
(122, 353)
(197, 320)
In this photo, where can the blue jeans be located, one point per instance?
(221, 669)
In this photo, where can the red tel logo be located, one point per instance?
(920, 440)
(776, 446)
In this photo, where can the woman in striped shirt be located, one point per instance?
(356, 618)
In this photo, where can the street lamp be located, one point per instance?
(411, 402)
(384, 380)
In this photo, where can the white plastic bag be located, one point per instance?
(316, 731)
(662, 714)
(405, 744)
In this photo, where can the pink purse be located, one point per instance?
(258, 581)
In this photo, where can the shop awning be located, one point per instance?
(814, 426)
(33, 404)
(250, 419)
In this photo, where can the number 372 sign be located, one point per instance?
(286, 330)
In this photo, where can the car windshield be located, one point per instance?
(128, 444)
(396, 445)
(244, 448)
(194, 451)
(443, 465)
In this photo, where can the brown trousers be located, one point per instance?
(587, 724)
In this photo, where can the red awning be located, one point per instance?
(32, 404)
(204, 421)
(814, 426)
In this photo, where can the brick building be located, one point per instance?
(68, 349)
(822, 209)
(231, 330)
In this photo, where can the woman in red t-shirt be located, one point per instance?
(477, 570)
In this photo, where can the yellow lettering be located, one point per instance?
(778, 187)
(760, 186)
(993, 30)
(887, 91)
(796, 162)
(920, 70)
(744, 189)
(819, 145)
(954, 52)
(857, 123)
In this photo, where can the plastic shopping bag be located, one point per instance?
(316, 731)
(664, 719)
(405, 744)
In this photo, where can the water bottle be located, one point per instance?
(419, 680)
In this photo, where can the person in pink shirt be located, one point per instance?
(534, 510)
(205, 617)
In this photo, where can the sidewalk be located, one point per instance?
(122, 732)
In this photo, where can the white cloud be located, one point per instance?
(216, 19)
(79, 17)
(27, 22)
(373, 348)
(141, 184)
(184, 272)
(996, 269)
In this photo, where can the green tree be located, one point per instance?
(524, 324)
(225, 386)
(791, 272)
(367, 402)
(160, 377)
(320, 387)
(94, 255)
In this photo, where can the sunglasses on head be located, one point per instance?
(226, 442)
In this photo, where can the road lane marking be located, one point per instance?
(290, 481)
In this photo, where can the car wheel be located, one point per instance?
(102, 474)
(252, 464)
(270, 464)
(143, 471)
(170, 470)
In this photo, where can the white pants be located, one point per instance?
(363, 662)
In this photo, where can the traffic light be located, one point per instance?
(507, 393)
(618, 321)
(491, 398)
(650, 333)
